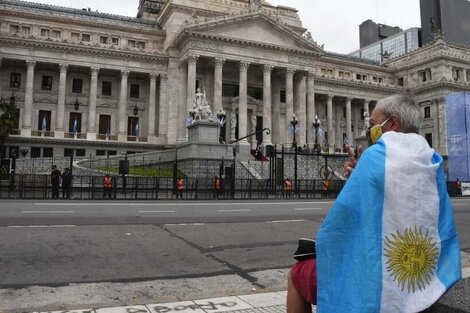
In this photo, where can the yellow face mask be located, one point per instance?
(375, 132)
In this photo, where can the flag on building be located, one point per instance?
(44, 124)
(75, 126)
(389, 243)
(136, 130)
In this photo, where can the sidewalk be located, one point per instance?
(272, 302)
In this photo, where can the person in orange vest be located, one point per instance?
(107, 186)
(458, 186)
(216, 185)
(179, 187)
(287, 188)
(325, 187)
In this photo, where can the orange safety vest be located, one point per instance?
(326, 185)
(179, 184)
(287, 185)
(107, 182)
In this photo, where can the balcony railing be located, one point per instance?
(137, 139)
(15, 132)
(106, 137)
(75, 136)
(40, 133)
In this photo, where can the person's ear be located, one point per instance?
(394, 123)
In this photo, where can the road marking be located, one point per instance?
(186, 224)
(286, 221)
(460, 204)
(157, 211)
(188, 203)
(240, 210)
(41, 226)
(47, 212)
(307, 209)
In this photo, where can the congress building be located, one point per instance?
(87, 82)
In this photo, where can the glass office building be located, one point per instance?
(393, 46)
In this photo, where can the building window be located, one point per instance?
(131, 43)
(344, 112)
(14, 29)
(140, 44)
(400, 81)
(115, 41)
(344, 75)
(44, 121)
(56, 34)
(135, 91)
(44, 32)
(229, 90)
(283, 96)
(77, 85)
(35, 152)
(106, 88)
(427, 112)
(104, 126)
(468, 76)
(112, 152)
(456, 74)
(80, 152)
(26, 30)
(100, 152)
(15, 80)
(68, 152)
(75, 37)
(362, 77)
(255, 92)
(75, 123)
(104, 40)
(47, 152)
(133, 126)
(428, 137)
(46, 83)
(362, 114)
(86, 38)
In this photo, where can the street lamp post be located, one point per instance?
(316, 126)
(294, 122)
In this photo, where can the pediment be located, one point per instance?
(253, 28)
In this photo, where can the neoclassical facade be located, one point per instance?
(90, 83)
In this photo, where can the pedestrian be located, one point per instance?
(325, 185)
(216, 187)
(55, 182)
(287, 188)
(179, 187)
(382, 246)
(107, 186)
(66, 184)
(458, 186)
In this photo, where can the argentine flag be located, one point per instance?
(75, 126)
(44, 124)
(389, 243)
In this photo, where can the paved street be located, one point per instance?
(123, 253)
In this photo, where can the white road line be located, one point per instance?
(188, 203)
(41, 226)
(47, 212)
(307, 209)
(186, 224)
(157, 211)
(241, 210)
(285, 221)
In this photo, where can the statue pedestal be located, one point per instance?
(203, 132)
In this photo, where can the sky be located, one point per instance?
(334, 23)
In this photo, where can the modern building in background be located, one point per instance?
(392, 46)
(448, 18)
(371, 32)
(89, 83)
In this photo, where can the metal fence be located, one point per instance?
(30, 186)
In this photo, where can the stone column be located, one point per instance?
(91, 132)
(242, 105)
(191, 86)
(173, 101)
(289, 100)
(338, 112)
(349, 136)
(436, 139)
(311, 112)
(366, 106)
(182, 107)
(164, 109)
(302, 112)
(151, 113)
(441, 103)
(331, 131)
(267, 113)
(0, 84)
(28, 100)
(276, 99)
(59, 129)
(122, 115)
(219, 63)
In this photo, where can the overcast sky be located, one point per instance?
(334, 23)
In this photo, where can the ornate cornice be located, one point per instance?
(320, 80)
(70, 48)
(442, 85)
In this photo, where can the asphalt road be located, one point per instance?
(56, 243)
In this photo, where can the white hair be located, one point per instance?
(402, 106)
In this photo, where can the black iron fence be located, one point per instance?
(30, 186)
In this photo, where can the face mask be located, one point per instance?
(373, 134)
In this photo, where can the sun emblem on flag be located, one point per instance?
(411, 258)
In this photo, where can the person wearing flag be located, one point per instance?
(389, 243)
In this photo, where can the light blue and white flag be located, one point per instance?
(75, 126)
(389, 244)
(44, 124)
(136, 130)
